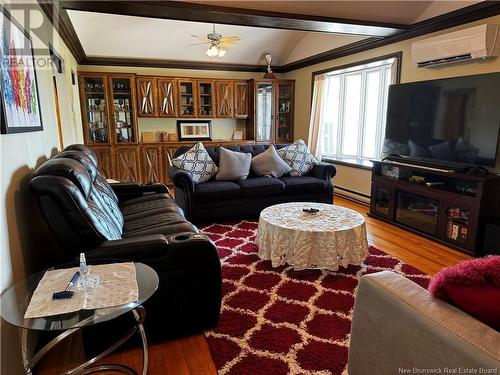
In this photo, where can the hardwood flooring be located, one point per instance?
(190, 356)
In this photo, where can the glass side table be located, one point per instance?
(15, 301)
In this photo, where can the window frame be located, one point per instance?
(398, 56)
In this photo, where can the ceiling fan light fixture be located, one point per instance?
(215, 51)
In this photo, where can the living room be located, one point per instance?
(257, 187)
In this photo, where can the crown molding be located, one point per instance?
(175, 64)
(56, 11)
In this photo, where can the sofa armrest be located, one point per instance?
(164, 253)
(181, 179)
(325, 171)
(399, 325)
(131, 249)
(129, 190)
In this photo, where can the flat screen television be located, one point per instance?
(454, 120)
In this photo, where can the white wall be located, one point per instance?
(25, 244)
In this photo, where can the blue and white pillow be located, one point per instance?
(298, 157)
(197, 163)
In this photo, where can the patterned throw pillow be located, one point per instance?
(197, 163)
(298, 157)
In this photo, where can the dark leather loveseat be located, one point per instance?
(133, 222)
(222, 200)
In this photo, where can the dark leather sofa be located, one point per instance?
(222, 200)
(133, 222)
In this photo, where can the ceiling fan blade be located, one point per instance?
(200, 37)
(230, 39)
(199, 44)
(228, 45)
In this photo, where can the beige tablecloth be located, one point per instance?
(117, 286)
(334, 237)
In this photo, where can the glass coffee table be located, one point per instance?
(16, 299)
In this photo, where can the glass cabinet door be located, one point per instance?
(264, 111)
(97, 122)
(382, 202)
(186, 99)
(123, 115)
(284, 111)
(206, 101)
(458, 222)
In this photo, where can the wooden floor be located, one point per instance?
(191, 356)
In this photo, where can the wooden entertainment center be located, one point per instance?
(451, 208)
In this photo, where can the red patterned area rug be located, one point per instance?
(280, 321)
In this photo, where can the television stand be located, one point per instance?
(449, 207)
(448, 166)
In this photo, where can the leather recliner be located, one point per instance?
(133, 222)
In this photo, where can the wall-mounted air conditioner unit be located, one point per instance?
(478, 42)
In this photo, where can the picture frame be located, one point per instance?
(20, 110)
(194, 130)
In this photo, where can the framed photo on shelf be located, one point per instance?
(19, 101)
(194, 130)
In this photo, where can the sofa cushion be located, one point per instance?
(197, 163)
(154, 202)
(298, 157)
(217, 190)
(261, 187)
(165, 229)
(269, 163)
(151, 221)
(303, 185)
(233, 166)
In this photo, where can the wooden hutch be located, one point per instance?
(111, 104)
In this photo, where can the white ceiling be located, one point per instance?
(392, 11)
(109, 35)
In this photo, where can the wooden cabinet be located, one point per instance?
(108, 108)
(446, 213)
(273, 107)
(224, 98)
(105, 159)
(151, 164)
(94, 103)
(122, 107)
(285, 95)
(206, 98)
(264, 111)
(127, 164)
(167, 97)
(187, 98)
(147, 97)
(241, 91)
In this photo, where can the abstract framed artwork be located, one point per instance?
(194, 130)
(19, 100)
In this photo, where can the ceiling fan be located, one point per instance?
(216, 43)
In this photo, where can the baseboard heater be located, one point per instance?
(352, 195)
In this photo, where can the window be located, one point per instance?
(354, 110)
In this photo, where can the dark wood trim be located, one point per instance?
(64, 27)
(257, 18)
(177, 64)
(235, 16)
(459, 17)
